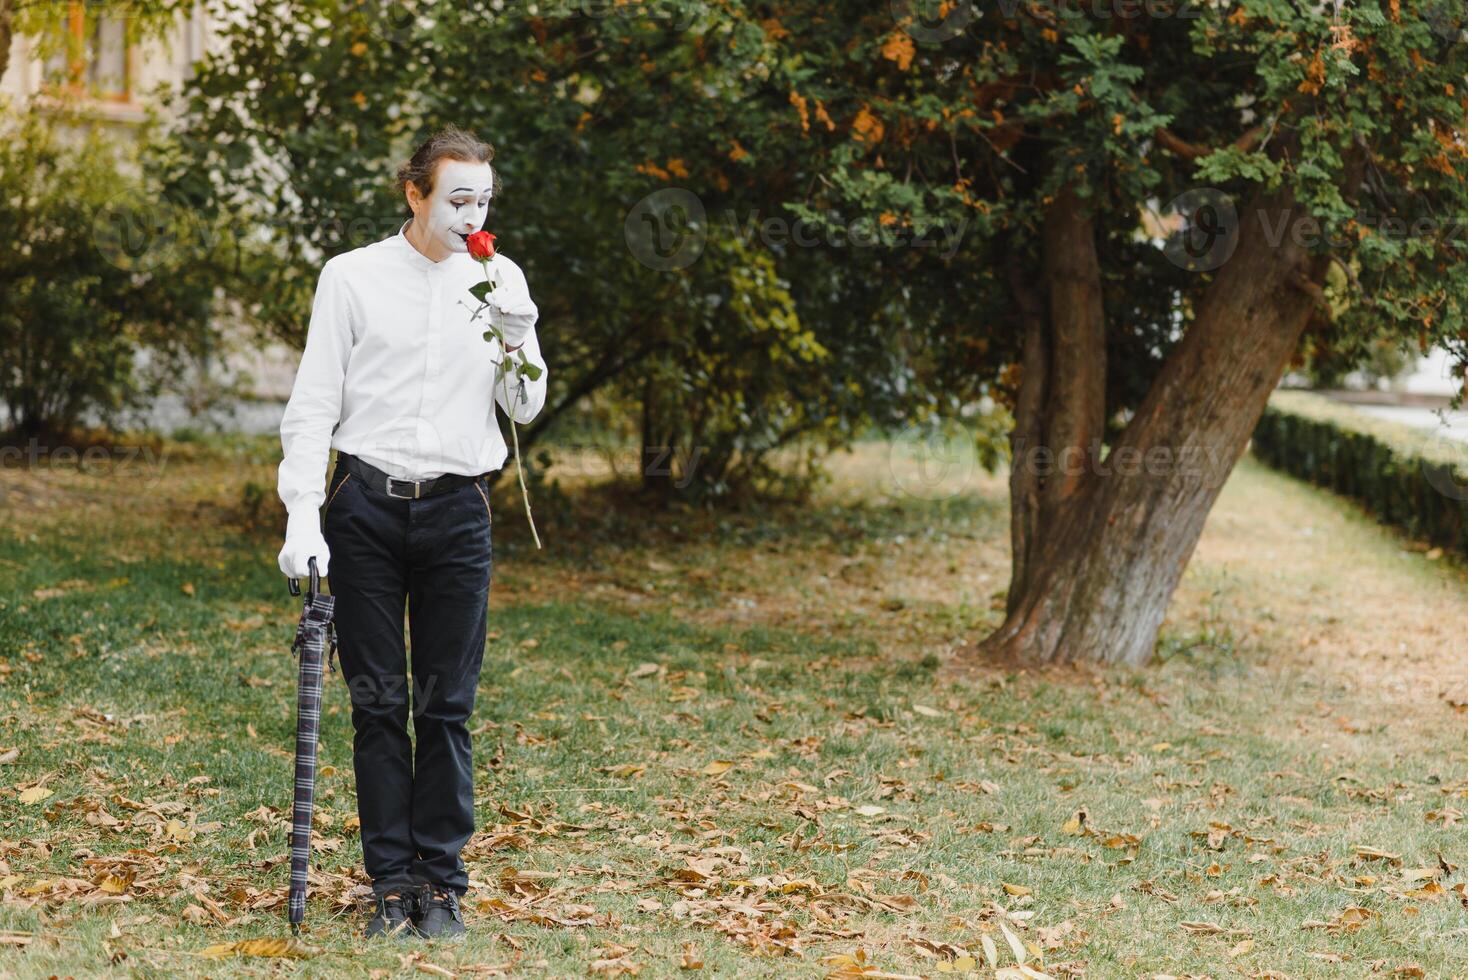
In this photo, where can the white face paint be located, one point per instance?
(455, 210)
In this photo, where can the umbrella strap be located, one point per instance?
(300, 640)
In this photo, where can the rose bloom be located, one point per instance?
(481, 245)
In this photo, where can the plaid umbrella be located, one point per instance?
(315, 631)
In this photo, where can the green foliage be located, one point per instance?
(103, 308)
(757, 342)
(1358, 108)
(836, 117)
(1403, 476)
(731, 371)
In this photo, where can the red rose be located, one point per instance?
(481, 245)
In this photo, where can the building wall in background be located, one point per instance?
(117, 78)
(120, 80)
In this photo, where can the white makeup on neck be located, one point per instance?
(454, 210)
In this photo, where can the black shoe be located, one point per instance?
(395, 912)
(438, 915)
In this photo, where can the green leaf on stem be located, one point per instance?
(480, 290)
(531, 371)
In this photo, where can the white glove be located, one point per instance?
(302, 541)
(514, 327)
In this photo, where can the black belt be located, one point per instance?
(402, 489)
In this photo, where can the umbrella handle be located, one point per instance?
(294, 584)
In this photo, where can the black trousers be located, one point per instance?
(434, 554)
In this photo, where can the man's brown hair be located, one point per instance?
(449, 143)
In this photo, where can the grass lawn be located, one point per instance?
(741, 744)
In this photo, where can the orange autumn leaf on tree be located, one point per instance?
(867, 128)
(1344, 40)
(675, 168)
(1314, 75)
(798, 100)
(824, 116)
(1441, 164)
(899, 48)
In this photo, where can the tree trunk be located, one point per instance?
(1097, 581)
(1028, 433)
(1061, 405)
(657, 451)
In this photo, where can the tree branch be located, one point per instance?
(1299, 280)
(1193, 151)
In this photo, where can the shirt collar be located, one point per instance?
(416, 258)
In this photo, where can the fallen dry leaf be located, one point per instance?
(291, 949)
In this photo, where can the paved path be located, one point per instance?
(1449, 424)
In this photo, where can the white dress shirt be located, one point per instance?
(395, 372)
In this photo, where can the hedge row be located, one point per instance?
(1405, 476)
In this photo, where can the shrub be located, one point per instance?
(1404, 476)
(103, 307)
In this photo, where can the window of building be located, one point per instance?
(95, 56)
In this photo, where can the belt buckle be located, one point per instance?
(398, 496)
